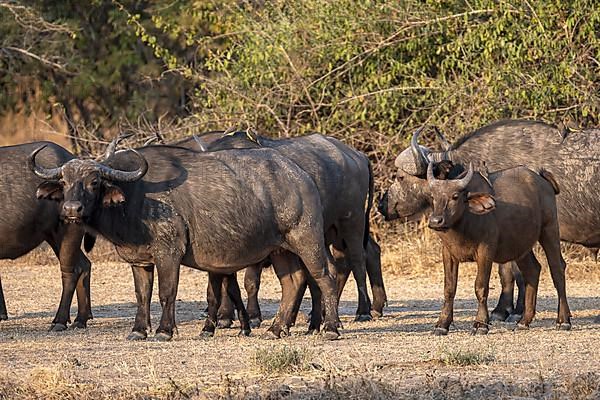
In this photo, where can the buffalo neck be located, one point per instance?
(123, 224)
(464, 238)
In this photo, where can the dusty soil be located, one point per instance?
(393, 357)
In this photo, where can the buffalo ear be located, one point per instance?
(113, 195)
(49, 190)
(481, 203)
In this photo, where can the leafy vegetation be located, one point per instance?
(369, 71)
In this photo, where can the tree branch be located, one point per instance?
(40, 59)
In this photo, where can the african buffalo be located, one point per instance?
(497, 218)
(25, 223)
(343, 178)
(573, 158)
(215, 211)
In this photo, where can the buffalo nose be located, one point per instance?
(72, 209)
(435, 221)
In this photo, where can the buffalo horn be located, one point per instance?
(125, 176)
(44, 173)
(420, 159)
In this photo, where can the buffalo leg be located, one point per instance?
(376, 278)
(143, 280)
(355, 261)
(68, 251)
(316, 313)
(292, 278)
(315, 263)
(3, 311)
(84, 301)
(520, 306)
(168, 281)
(505, 303)
(299, 297)
(550, 242)
(252, 285)
(530, 268)
(235, 295)
(311, 249)
(225, 314)
(450, 282)
(215, 285)
(482, 290)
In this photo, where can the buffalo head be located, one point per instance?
(409, 197)
(81, 184)
(451, 199)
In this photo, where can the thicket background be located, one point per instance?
(368, 72)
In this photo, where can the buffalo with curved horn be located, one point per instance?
(504, 144)
(163, 206)
(497, 218)
(25, 223)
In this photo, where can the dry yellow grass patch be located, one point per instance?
(393, 357)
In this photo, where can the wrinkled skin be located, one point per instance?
(219, 212)
(571, 157)
(340, 173)
(25, 223)
(498, 223)
(408, 199)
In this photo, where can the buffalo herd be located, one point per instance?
(222, 202)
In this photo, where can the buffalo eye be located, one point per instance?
(94, 184)
(455, 196)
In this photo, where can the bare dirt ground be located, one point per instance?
(393, 357)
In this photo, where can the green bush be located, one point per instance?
(365, 69)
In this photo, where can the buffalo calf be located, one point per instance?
(497, 218)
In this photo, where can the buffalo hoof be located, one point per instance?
(363, 318)
(522, 327)
(255, 323)
(514, 318)
(312, 331)
(224, 323)
(499, 315)
(279, 331)
(163, 336)
(244, 332)
(58, 327)
(376, 314)
(565, 326)
(3, 317)
(137, 336)
(439, 331)
(270, 335)
(78, 325)
(480, 330)
(207, 334)
(330, 335)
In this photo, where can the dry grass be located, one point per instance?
(466, 357)
(23, 127)
(282, 359)
(393, 357)
(585, 386)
